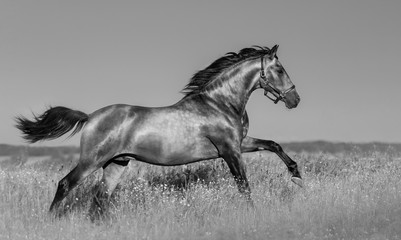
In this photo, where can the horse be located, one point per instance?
(209, 122)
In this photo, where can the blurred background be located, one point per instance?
(343, 56)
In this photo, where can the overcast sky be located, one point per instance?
(343, 56)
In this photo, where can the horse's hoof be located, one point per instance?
(298, 181)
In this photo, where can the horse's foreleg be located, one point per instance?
(250, 144)
(112, 172)
(237, 169)
(230, 151)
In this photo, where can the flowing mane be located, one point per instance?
(203, 77)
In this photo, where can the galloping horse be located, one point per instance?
(209, 122)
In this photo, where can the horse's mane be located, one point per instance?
(203, 77)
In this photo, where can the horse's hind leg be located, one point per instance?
(70, 181)
(250, 144)
(112, 172)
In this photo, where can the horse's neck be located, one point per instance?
(234, 87)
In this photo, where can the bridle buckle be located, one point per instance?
(275, 98)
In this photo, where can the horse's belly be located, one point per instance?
(172, 150)
(169, 137)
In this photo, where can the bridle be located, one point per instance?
(268, 86)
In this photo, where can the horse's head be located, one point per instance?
(276, 82)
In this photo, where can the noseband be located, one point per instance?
(269, 87)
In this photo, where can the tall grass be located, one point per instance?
(346, 196)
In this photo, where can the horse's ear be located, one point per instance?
(273, 51)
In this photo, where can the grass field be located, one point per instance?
(349, 195)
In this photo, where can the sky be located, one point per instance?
(343, 57)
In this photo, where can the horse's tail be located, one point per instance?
(53, 123)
